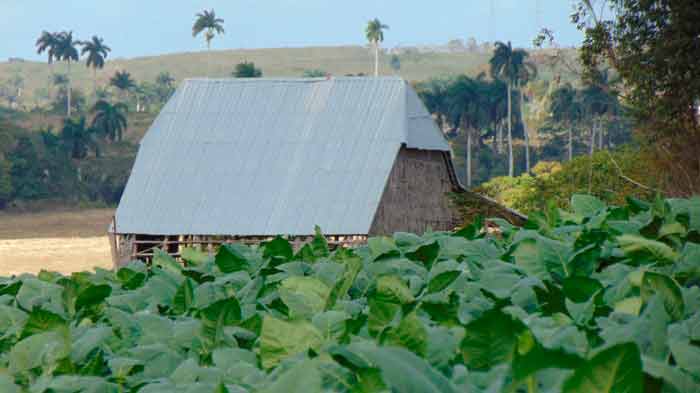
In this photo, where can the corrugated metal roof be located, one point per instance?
(272, 156)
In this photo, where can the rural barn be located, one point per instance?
(247, 159)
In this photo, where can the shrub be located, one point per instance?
(611, 176)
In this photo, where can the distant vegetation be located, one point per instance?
(246, 70)
(503, 109)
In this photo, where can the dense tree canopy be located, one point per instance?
(654, 46)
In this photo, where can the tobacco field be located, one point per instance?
(596, 299)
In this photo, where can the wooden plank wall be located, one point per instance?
(416, 196)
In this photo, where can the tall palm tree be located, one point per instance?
(497, 102)
(96, 52)
(526, 73)
(433, 93)
(207, 22)
(109, 120)
(48, 42)
(123, 82)
(375, 36)
(67, 51)
(565, 108)
(467, 112)
(506, 63)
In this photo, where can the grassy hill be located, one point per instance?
(283, 62)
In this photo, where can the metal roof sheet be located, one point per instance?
(272, 156)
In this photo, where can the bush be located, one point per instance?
(5, 182)
(608, 175)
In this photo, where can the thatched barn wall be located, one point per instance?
(416, 196)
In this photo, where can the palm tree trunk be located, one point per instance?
(376, 58)
(499, 137)
(468, 166)
(511, 170)
(525, 133)
(48, 87)
(571, 143)
(94, 82)
(68, 92)
(208, 57)
(592, 141)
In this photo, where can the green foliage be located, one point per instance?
(26, 170)
(314, 73)
(5, 182)
(247, 70)
(603, 175)
(596, 299)
(206, 21)
(109, 120)
(637, 40)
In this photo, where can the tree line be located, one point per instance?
(487, 114)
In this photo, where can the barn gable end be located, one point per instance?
(416, 196)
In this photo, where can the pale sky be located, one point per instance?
(150, 27)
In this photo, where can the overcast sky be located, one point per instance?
(150, 27)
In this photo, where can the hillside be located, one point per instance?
(287, 62)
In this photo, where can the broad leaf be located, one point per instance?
(617, 369)
(280, 339)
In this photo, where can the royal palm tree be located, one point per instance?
(109, 120)
(565, 108)
(207, 22)
(526, 73)
(123, 82)
(79, 139)
(433, 93)
(164, 86)
(66, 50)
(96, 52)
(48, 42)
(467, 111)
(506, 64)
(375, 36)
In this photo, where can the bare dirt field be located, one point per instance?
(63, 241)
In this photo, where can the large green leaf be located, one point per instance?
(231, 258)
(403, 371)
(41, 321)
(667, 289)
(586, 205)
(217, 316)
(184, 297)
(542, 257)
(279, 249)
(382, 248)
(490, 340)
(193, 256)
(386, 303)
(42, 349)
(425, 253)
(303, 377)
(304, 296)
(410, 334)
(92, 295)
(642, 250)
(280, 339)
(617, 369)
